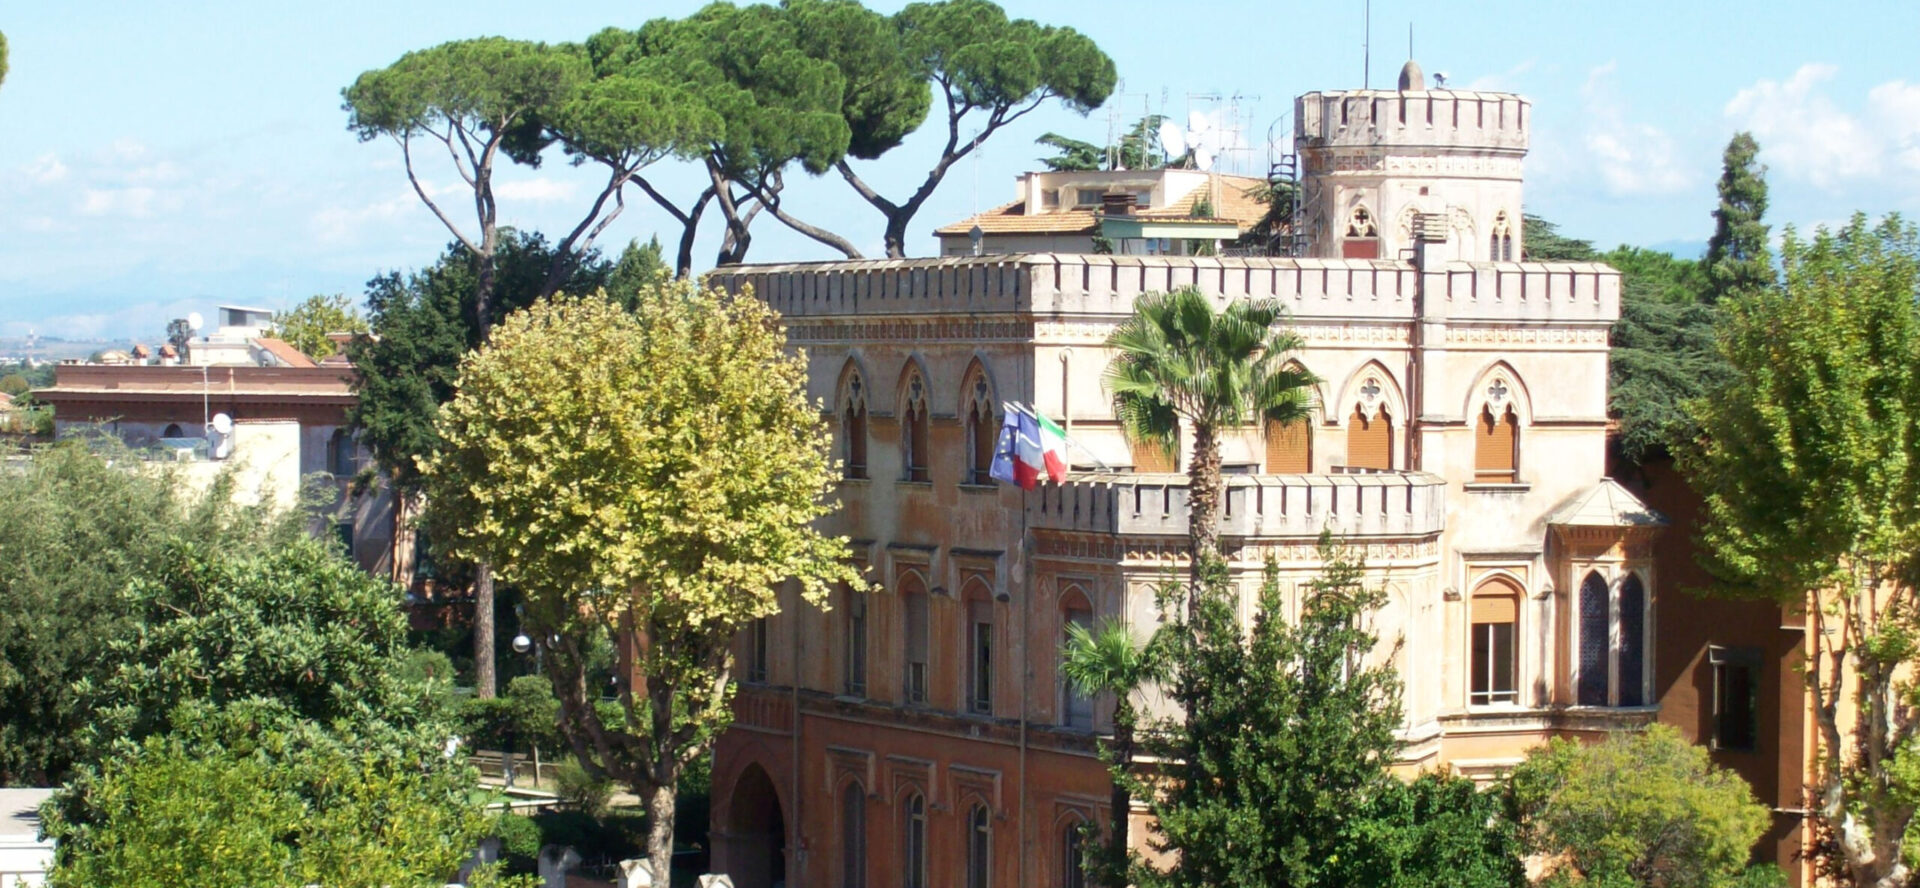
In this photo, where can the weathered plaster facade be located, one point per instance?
(838, 754)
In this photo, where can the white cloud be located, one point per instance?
(1896, 104)
(46, 169)
(136, 202)
(1802, 133)
(535, 189)
(1632, 158)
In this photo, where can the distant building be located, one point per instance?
(1137, 212)
(286, 423)
(25, 858)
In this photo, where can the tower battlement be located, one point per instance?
(1490, 122)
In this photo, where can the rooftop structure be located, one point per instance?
(1138, 212)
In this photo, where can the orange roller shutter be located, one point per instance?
(1370, 444)
(1289, 448)
(1494, 443)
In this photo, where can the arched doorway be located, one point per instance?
(756, 832)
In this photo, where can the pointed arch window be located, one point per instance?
(1370, 440)
(979, 608)
(1073, 858)
(856, 637)
(913, 843)
(979, 847)
(913, 595)
(853, 427)
(342, 452)
(1289, 447)
(981, 430)
(1633, 642)
(1500, 241)
(853, 836)
(1593, 687)
(1076, 709)
(915, 432)
(1493, 622)
(1496, 445)
(1612, 639)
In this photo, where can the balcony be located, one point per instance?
(1384, 504)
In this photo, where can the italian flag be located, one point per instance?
(1042, 448)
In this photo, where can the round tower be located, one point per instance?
(1375, 162)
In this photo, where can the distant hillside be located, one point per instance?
(16, 348)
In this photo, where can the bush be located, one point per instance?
(520, 840)
(581, 790)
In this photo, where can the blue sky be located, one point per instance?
(158, 158)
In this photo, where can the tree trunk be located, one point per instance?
(896, 236)
(1120, 802)
(1203, 504)
(483, 680)
(660, 808)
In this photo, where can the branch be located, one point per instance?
(565, 253)
(406, 152)
(458, 166)
(772, 204)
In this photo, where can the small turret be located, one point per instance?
(1412, 79)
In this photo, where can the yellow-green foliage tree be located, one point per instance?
(648, 478)
(309, 325)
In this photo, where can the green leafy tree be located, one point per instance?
(480, 99)
(1107, 660)
(308, 326)
(3, 57)
(294, 627)
(14, 384)
(1180, 362)
(421, 326)
(1638, 809)
(1738, 260)
(1541, 241)
(295, 807)
(989, 71)
(1073, 154)
(77, 529)
(648, 479)
(1663, 351)
(1275, 769)
(1811, 485)
(779, 104)
(1138, 149)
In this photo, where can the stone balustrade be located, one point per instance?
(1384, 504)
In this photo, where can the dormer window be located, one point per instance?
(1050, 199)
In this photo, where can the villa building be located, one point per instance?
(921, 736)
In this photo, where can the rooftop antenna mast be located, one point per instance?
(1366, 47)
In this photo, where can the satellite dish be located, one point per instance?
(1202, 158)
(1198, 123)
(1172, 140)
(195, 321)
(222, 423)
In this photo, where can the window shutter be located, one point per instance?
(1370, 444)
(1289, 448)
(1494, 446)
(1495, 607)
(1149, 458)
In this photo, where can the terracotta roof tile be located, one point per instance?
(1236, 204)
(285, 351)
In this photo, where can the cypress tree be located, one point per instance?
(1738, 260)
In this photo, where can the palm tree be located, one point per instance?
(1179, 361)
(1105, 660)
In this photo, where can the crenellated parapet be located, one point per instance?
(1052, 286)
(1491, 122)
